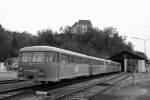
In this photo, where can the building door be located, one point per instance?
(132, 65)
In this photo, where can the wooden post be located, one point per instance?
(125, 65)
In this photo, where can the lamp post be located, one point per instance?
(144, 40)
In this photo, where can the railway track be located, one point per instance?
(11, 81)
(12, 88)
(99, 87)
(12, 93)
(55, 92)
(8, 94)
(70, 91)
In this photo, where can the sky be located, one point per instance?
(130, 17)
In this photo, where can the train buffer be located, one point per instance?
(44, 93)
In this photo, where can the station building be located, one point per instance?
(130, 61)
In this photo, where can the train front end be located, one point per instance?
(31, 66)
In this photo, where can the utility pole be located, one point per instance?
(144, 41)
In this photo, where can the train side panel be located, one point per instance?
(73, 70)
(52, 72)
(97, 69)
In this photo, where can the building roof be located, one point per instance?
(126, 54)
(83, 22)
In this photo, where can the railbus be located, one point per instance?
(51, 64)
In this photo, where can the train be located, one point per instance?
(50, 64)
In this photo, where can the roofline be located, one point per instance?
(129, 52)
(50, 48)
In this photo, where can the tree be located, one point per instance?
(5, 43)
(46, 37)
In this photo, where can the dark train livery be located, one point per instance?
(51, 64)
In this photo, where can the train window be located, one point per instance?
(49, 57)
(67, 58)
(73, 59)
(92, 61)
(55, 57)
(70, 59)
(64, 58)
(101, 62)
(88, 61)
(84, 60)
(26, 57)
(97, 62)
(78, 60)
(38, 57)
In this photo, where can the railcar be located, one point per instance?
(45, 63)
(51, 64)
(97, 65)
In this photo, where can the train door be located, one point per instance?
(52, 66)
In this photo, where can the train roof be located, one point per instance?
(112, 61)
(95, 58)
(50, 48)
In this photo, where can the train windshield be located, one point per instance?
(38, 57)
(33, 57)
(26, 57)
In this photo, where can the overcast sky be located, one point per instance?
(130, 17)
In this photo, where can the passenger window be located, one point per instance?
(77, 60)
(80, 60)
(38, 57)
(26, 57)
(70, 59)
(63, 59)
(49, 57)
(55, 57)
(73, 60)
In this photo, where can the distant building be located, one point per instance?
(81, 26)
(2, 67)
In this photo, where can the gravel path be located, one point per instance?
(78, 96)
(137, 88)
(133, 88)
